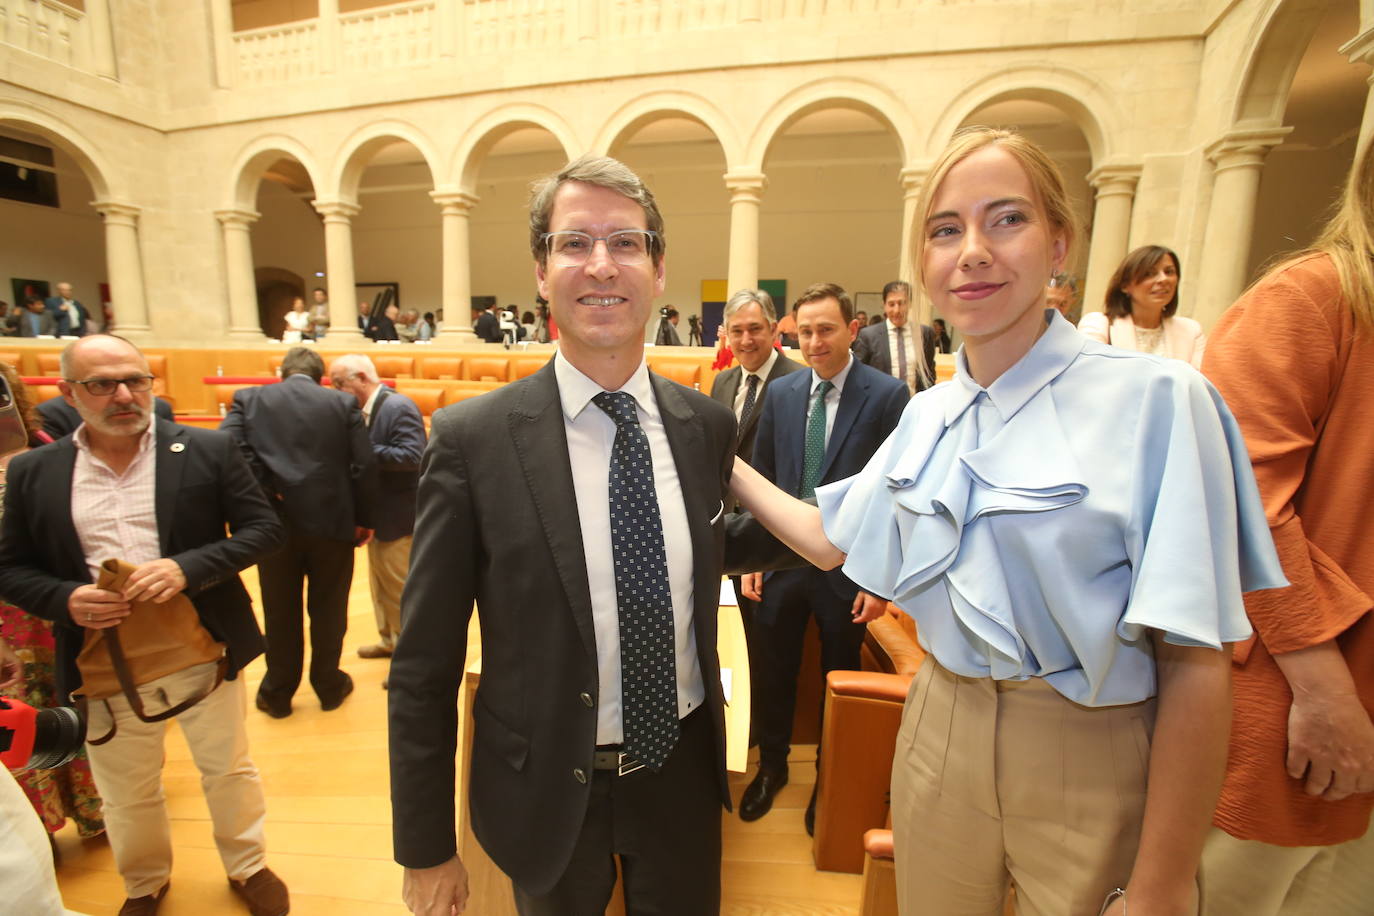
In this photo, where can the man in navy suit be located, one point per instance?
(309, 449)
(891, 345)
(816, 427)
(69, 315)
(397, 431)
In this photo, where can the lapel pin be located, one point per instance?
(178, 446)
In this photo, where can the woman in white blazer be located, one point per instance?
(1142, 299)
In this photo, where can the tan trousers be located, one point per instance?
(388, 564)
(1250, 878)
(1000, 782)
(128, 772)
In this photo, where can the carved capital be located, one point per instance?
(1360, 49)
(237, 219)
(1115, 179)
(459, 202)
(116, 213)
(745, 185)
(913, 179)
(1245, 148)
(335, 211)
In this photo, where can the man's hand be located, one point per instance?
(11, 668)
(751, 586)
(96, 608)
(361, 536)
(438, 891)
(1331, 745)
(157, 581)
(867, 607)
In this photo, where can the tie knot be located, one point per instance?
(823, 388)
(619, 406)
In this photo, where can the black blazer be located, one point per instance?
(397, 431)
(871, 349)
(726, 386)
(202, 485)
(487, 328)
(498, 525)
(61, 419)
(308, 446)
(870, 406)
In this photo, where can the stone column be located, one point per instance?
(338, 265)
(913, 181)
(236, 226)
(327, 30)
(1360, 49)
(751, 11)
(457, 265)
(124, 266)
(222, 40)
(1237, 157)
(1115, 187)
(103, 62)
(746, 190)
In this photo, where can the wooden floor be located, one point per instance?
(329, 818)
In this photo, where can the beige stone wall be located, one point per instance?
(188, 124)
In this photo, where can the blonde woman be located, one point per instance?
(1075, 574)
(1142, 306)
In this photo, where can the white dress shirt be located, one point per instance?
(591, 434)
(912, 370)
(115, 515)
(742, 392)
(832, 397)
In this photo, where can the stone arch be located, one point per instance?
(866, 96)
(488, 130)
(656, 105)
(1270, 59)
(1079, 96)
(256, 157)
(102, 176)
(357, 151)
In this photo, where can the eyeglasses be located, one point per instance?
(104, 387)
(627, 247)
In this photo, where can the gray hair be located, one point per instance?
(357, 364)
(750, 297)
(604, 172)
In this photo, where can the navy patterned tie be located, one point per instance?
(749, 397)
(648, 672)
(814, 453)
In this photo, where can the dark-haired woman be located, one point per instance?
(1142, 309)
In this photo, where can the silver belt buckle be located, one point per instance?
(623, 768)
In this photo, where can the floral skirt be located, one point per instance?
(68, 791)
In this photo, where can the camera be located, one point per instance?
(38, 739)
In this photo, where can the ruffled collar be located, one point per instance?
(947, 480)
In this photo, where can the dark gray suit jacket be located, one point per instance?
(871, 349)
(397, 431)
(202, 484)
(726, 386)
(498, 525)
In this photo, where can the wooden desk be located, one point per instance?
(489, 889)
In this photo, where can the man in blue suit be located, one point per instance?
(69, 315)
(397, 431)
(816, 427)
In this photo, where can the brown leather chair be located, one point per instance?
(863, 710)
(487, 368)
(441, 367)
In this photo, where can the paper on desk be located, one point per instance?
(727, 594)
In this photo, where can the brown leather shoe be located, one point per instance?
(264, 893)
(144, 906)
(374, 651)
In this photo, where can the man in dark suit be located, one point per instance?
(157, 496)
(61, 418)
(890, 347)
(486, 326)
(309, 449)
(397, 431)
(35, 320)
(599, 722)
(69, 315)
(751, 328)
(816, 427)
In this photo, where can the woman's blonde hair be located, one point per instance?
(1044, 177)
(1348, 239)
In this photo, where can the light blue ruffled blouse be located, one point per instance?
(1038, 527)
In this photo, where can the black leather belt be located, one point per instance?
(615, 760)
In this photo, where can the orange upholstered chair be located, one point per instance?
(488, 368)
(50, 364)
(682, 371)
(427, 399)
(395, 366)
(12, 359)
(439, 367)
